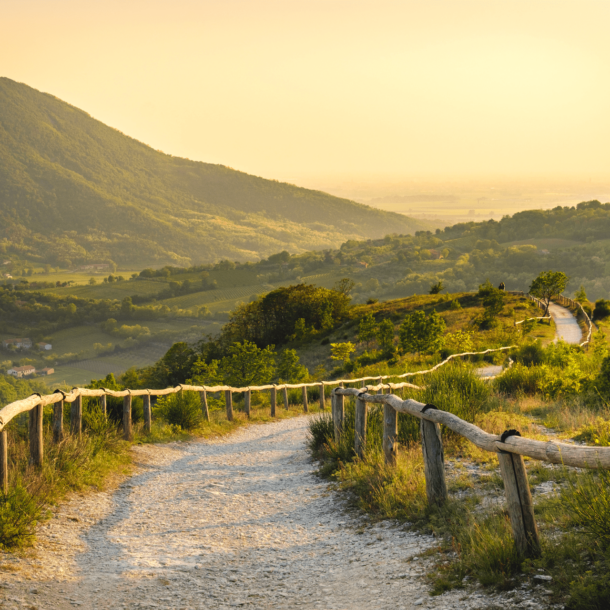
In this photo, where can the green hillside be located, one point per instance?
(73, 190)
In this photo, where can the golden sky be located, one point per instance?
(289, 88)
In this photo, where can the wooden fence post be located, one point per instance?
(360, 427)
(519, 501)
(305, 405)
(380, 390)
(58, 421)
(247, 402)
(338, 414)
(390, 434)
(36, 435)
(273, 400)
(229, 404)
(103, 404)
(127, 433)
(76, 416)
(286, 398)
(434, 461)
(147, 414)
(3, 461)
(322, 399)
(203, 397)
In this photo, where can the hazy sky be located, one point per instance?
(321, 87)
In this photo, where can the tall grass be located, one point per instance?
(73, 464)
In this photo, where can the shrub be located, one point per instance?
(182, 409)
(321, 431)
(531, 354)
(519, 379)
(457, 389)
(587, 501)
(19, 515)
(602, 309)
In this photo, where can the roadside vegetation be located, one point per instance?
(555, 391)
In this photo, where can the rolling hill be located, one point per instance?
(73, 190)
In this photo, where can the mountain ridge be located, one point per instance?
(73, 190)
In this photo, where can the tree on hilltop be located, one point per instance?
(547, 285)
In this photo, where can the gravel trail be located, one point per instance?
(240, 521)
(567, 328)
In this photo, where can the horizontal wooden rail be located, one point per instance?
(510, 448)
(27, 404)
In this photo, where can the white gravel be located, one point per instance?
(240, 521)
(567, 328)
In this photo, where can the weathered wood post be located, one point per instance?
(322, 399)
(285, 391)
(390, 434)
(305, 405)
(434, 460)
(147, 413)
(203, 397)
(76, 416)
(519, 500)
(36, 438)
(58, 422)
(273, 399)
(127, 433)
(247, 402)
(360, 427)
(103, 405)
(380, 390)
(3, 461)
(229, 404)
(338, 414)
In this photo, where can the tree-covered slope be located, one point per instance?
(74, 189)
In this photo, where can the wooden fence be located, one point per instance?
(512, 445)
(510, 448)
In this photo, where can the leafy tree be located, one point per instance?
(342, 351)
(547, 285)
(344, 286)
(385, 336)
(493, 300)
(437, 287)
(581, 295)
(421, 333)
(92, 281)
(289, 368)
(367, 329)
(247, 364)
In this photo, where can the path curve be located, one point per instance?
(241, 521)
(566, 325)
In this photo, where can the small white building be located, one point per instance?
(19, 343)
(21, 371)
(44, 346)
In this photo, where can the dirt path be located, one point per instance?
(236, 522)
(567, 328)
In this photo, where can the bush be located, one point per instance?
(531, 354)
(182, 409)
(519, 379)
(456, 388)
(602, 309)
(321, 432)
(587, 501)
(19, 515)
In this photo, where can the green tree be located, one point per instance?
(385, 336)
(344, 286)
(547, 285)
(92, 281)
(437, 287)
(247, 364)
(342, 351)
(421, 333)
(289, 368)
(367, 330)
(581, 295)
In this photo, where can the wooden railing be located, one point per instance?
(35, 404)
(510, 447)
